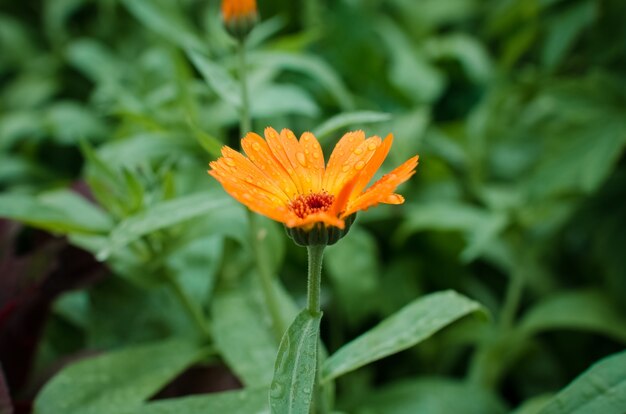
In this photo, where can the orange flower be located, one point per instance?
(239, 16)
(285, 179)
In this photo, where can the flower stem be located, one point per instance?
(512, 300)
(316, 253)
(245, 122)
(263, 269)
(192, 310)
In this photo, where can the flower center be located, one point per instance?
(305, 205)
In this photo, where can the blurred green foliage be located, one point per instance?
(516, 107)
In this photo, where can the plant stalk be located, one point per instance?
(190, 307)
(263, 269)
(316, 253)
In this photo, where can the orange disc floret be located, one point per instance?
(286, 178)
(305, 205)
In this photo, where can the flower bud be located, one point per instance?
(239, 17)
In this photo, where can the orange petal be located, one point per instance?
(298, 160)
(242, 168)
(251, 196)
(372, 166)
(382, 191)
(354, 164)
(321, 217)
(260, 154)
(314, 159)
(281, 146)
(348, 143)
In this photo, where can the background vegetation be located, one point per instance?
(111, 109)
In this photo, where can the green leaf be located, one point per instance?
(312, 66)
(562, 311)
(409, 69)
(273, 99)
(354, 271)
(248, 401)
(296, 363)
(166, 19)
(410, 325)
(585, 156)
(348, 119)
(242, 337)
(533, 405)
(163, 215)
(144, 147)
(59, 211)
(211, 144)
(217, 78)
(113, 382)
(600, 389)
(431, 396)
(565, 29)
(480, 225)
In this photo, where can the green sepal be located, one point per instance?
(320, 234)
(241, 26)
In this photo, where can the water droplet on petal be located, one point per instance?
(256, 146)
(229, 161)
(316, 155)
(358, 151)
(372, 146)
(345, 168)
(301, 158)
(359, 165)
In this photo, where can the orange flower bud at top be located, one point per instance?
(239, 16)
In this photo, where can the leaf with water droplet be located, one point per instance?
(412, 324)
(296, 364)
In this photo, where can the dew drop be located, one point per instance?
(358, 151)
(277, 390)
(306, 390)
(316, 155)
(229, 161)
(359, 165)
(345, 168)
(372, 146)
(256, 146)
(301, 158)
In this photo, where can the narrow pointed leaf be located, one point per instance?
(600, 389)
(348, 119)
(163, 215)
(218, 79)
(410, 325)
(249, 401)
(294, 373)
(114, 382)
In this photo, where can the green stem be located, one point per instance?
(245, 123)
(511, 300)
(316, 253)
(190, 307)
(493, 357)
(257, 235)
